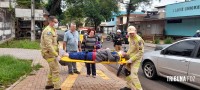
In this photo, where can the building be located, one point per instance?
(110, 25)
(122, 19)
(151, 24)
(7, 30)
(182, 19)
(23, 22)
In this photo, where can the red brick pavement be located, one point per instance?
(38, 81)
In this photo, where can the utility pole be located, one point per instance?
(32, 20)
(128, 9)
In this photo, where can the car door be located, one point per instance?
(194, 67)
(174, 60)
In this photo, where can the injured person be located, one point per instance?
(98, 56)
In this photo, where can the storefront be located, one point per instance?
(182, 19)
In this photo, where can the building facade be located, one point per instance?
(182, 19)
(110, 25)
(151, 24)
(7, 30)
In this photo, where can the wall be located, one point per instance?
(188, 27)
(191, 8)
(149, 28)
(6, 25)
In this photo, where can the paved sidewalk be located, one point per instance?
(105, 79)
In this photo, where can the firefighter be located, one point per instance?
(49, 50)
(135, 52)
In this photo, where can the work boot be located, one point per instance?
(77, 72)
(125, 88)
(71, 73)
(49, 87)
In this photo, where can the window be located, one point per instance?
(113, 19)
(183, 48)
(198, 53)
(174, 21)
(121, 20)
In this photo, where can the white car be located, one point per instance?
(179, 59)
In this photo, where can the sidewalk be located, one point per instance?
(105, 79)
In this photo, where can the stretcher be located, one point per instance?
(67, 59)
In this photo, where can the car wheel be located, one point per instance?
(149, 70)
(108, 38)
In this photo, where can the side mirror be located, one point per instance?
(162, 52)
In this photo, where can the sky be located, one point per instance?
(158, 3)
(155, 3)
(165, 2)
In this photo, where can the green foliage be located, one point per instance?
(36, 67)
(73, 13)
(27, 3)
(94, 10)
(135, 3)
(168, 40)
(97, 11)
(157, 41)
(12, 69)
(53, 7)
(26, 44)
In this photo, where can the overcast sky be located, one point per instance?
(159, 3)
(165, 2)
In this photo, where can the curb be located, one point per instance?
(17, 82)
(23, 77)
(150, 45)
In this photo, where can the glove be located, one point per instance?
(58, 58)
(122, 53)
(129, 61)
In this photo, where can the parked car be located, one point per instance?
(160, 47)
(38, 32)
(181, 58)
(61, 34)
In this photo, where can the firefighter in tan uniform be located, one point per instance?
(49, 52)
(135, 52)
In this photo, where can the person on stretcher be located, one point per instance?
(98, 56)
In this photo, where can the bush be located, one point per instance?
(168, 40)
(157, 41)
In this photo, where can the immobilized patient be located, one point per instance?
(98, 56)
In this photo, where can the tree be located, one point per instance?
(95, 10)
(74, 13)
(53, 7)
(132, 6)
(27, 3)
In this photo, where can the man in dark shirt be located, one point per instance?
(118, 41)
(197, 34)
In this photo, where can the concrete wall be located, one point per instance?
(188, 27)
(191, 8)
(6, 25)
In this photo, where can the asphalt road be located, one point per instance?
(159, 84)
